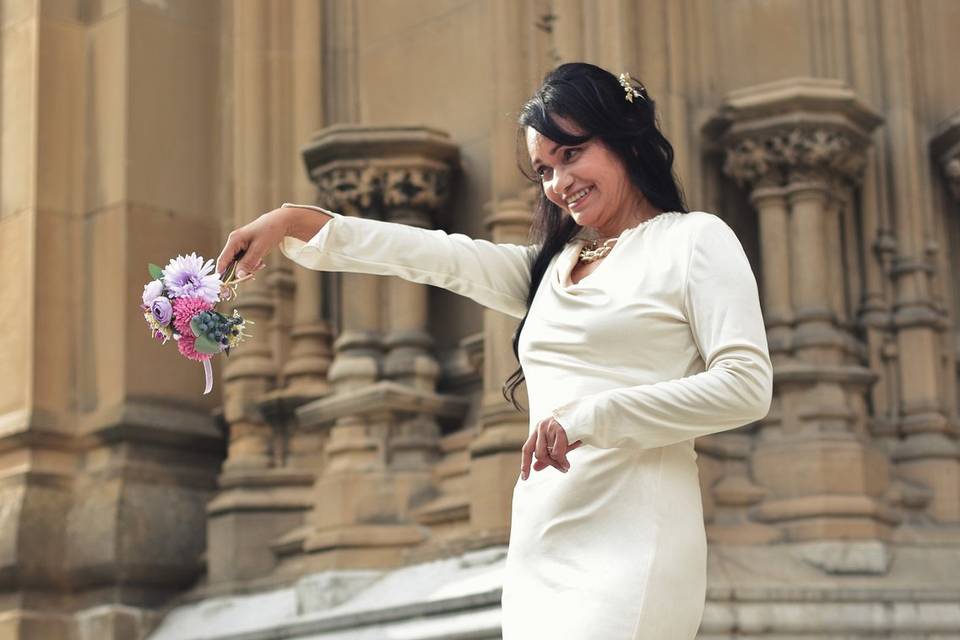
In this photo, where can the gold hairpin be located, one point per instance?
(629, 88)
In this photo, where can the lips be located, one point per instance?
(579, 203)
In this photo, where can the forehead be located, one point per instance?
(540, 146)
(537, 143)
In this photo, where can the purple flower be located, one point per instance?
(190, 276)
(151, 291)
(162, 310)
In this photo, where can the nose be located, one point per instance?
(561, 182)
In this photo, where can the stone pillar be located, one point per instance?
(927, 453)
(250, 371)
(495, 453)
(735, 492)
(103, 432)
(41, 215)
(310, 352)
(410, 359)
(358, 349)
(383, 433)
(306, 364)
(259, 500)
(791, 143)
(933, 461)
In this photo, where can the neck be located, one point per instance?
(634, 216)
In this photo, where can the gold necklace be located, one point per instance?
(595, 251)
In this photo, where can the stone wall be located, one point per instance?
(363, 429)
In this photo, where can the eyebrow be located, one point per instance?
(537, 161)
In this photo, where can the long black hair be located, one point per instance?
(596, 101)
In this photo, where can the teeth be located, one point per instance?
(578, 195)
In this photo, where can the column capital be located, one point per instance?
(376, 171)
(798, 127)
(945, 146)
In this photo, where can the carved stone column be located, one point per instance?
(495, 453)
(413, 193)
(258, 500)
(939, 467)
(358, 351)
(794, 145)
(383, 417)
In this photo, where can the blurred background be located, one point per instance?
(350, 476)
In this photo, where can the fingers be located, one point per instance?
(244, 271)
(527, 454)
(252, 259)
(543, 458)
(236, 245)
(545, 446)
(559, 450)
(249, 256)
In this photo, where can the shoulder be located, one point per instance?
(689, 222)
(695, 221)
(694, 228)
(705, 229)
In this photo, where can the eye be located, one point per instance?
(541, 171)
(568, 153)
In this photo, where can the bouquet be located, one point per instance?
(179, 304)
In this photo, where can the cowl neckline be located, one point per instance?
(568, 258)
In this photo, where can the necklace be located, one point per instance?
(593, 250)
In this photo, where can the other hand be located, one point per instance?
(549, 443)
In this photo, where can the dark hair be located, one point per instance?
(595, 101)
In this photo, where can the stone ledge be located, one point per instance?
(761, 593)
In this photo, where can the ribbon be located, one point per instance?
(208, 374)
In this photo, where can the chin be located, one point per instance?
(580, 219)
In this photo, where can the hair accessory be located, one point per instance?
(629, 88)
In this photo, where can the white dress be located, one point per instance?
(663, 342)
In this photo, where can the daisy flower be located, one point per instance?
(190, 276)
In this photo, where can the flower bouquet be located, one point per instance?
(179, 304)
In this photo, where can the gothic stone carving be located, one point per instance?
(795, 152)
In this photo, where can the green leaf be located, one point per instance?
(195, 326)
(155, 272)
(206, 345)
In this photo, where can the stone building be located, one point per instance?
(351, 474)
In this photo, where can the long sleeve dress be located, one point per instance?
(663, 342)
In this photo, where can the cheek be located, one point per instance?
(554, 198)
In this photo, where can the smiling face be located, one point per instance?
(588, 181)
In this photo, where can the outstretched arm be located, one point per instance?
(723, 308)
(495, 275)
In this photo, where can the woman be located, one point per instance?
(641, 330)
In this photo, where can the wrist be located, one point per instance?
(301, 223)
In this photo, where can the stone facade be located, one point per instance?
(352, 472)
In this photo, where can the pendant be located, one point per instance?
(595, 253)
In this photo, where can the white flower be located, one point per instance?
(151, 291)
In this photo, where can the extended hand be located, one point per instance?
(249, 244)
(549, 443)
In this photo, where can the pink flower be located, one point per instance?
(183, 311)
(188, 349)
